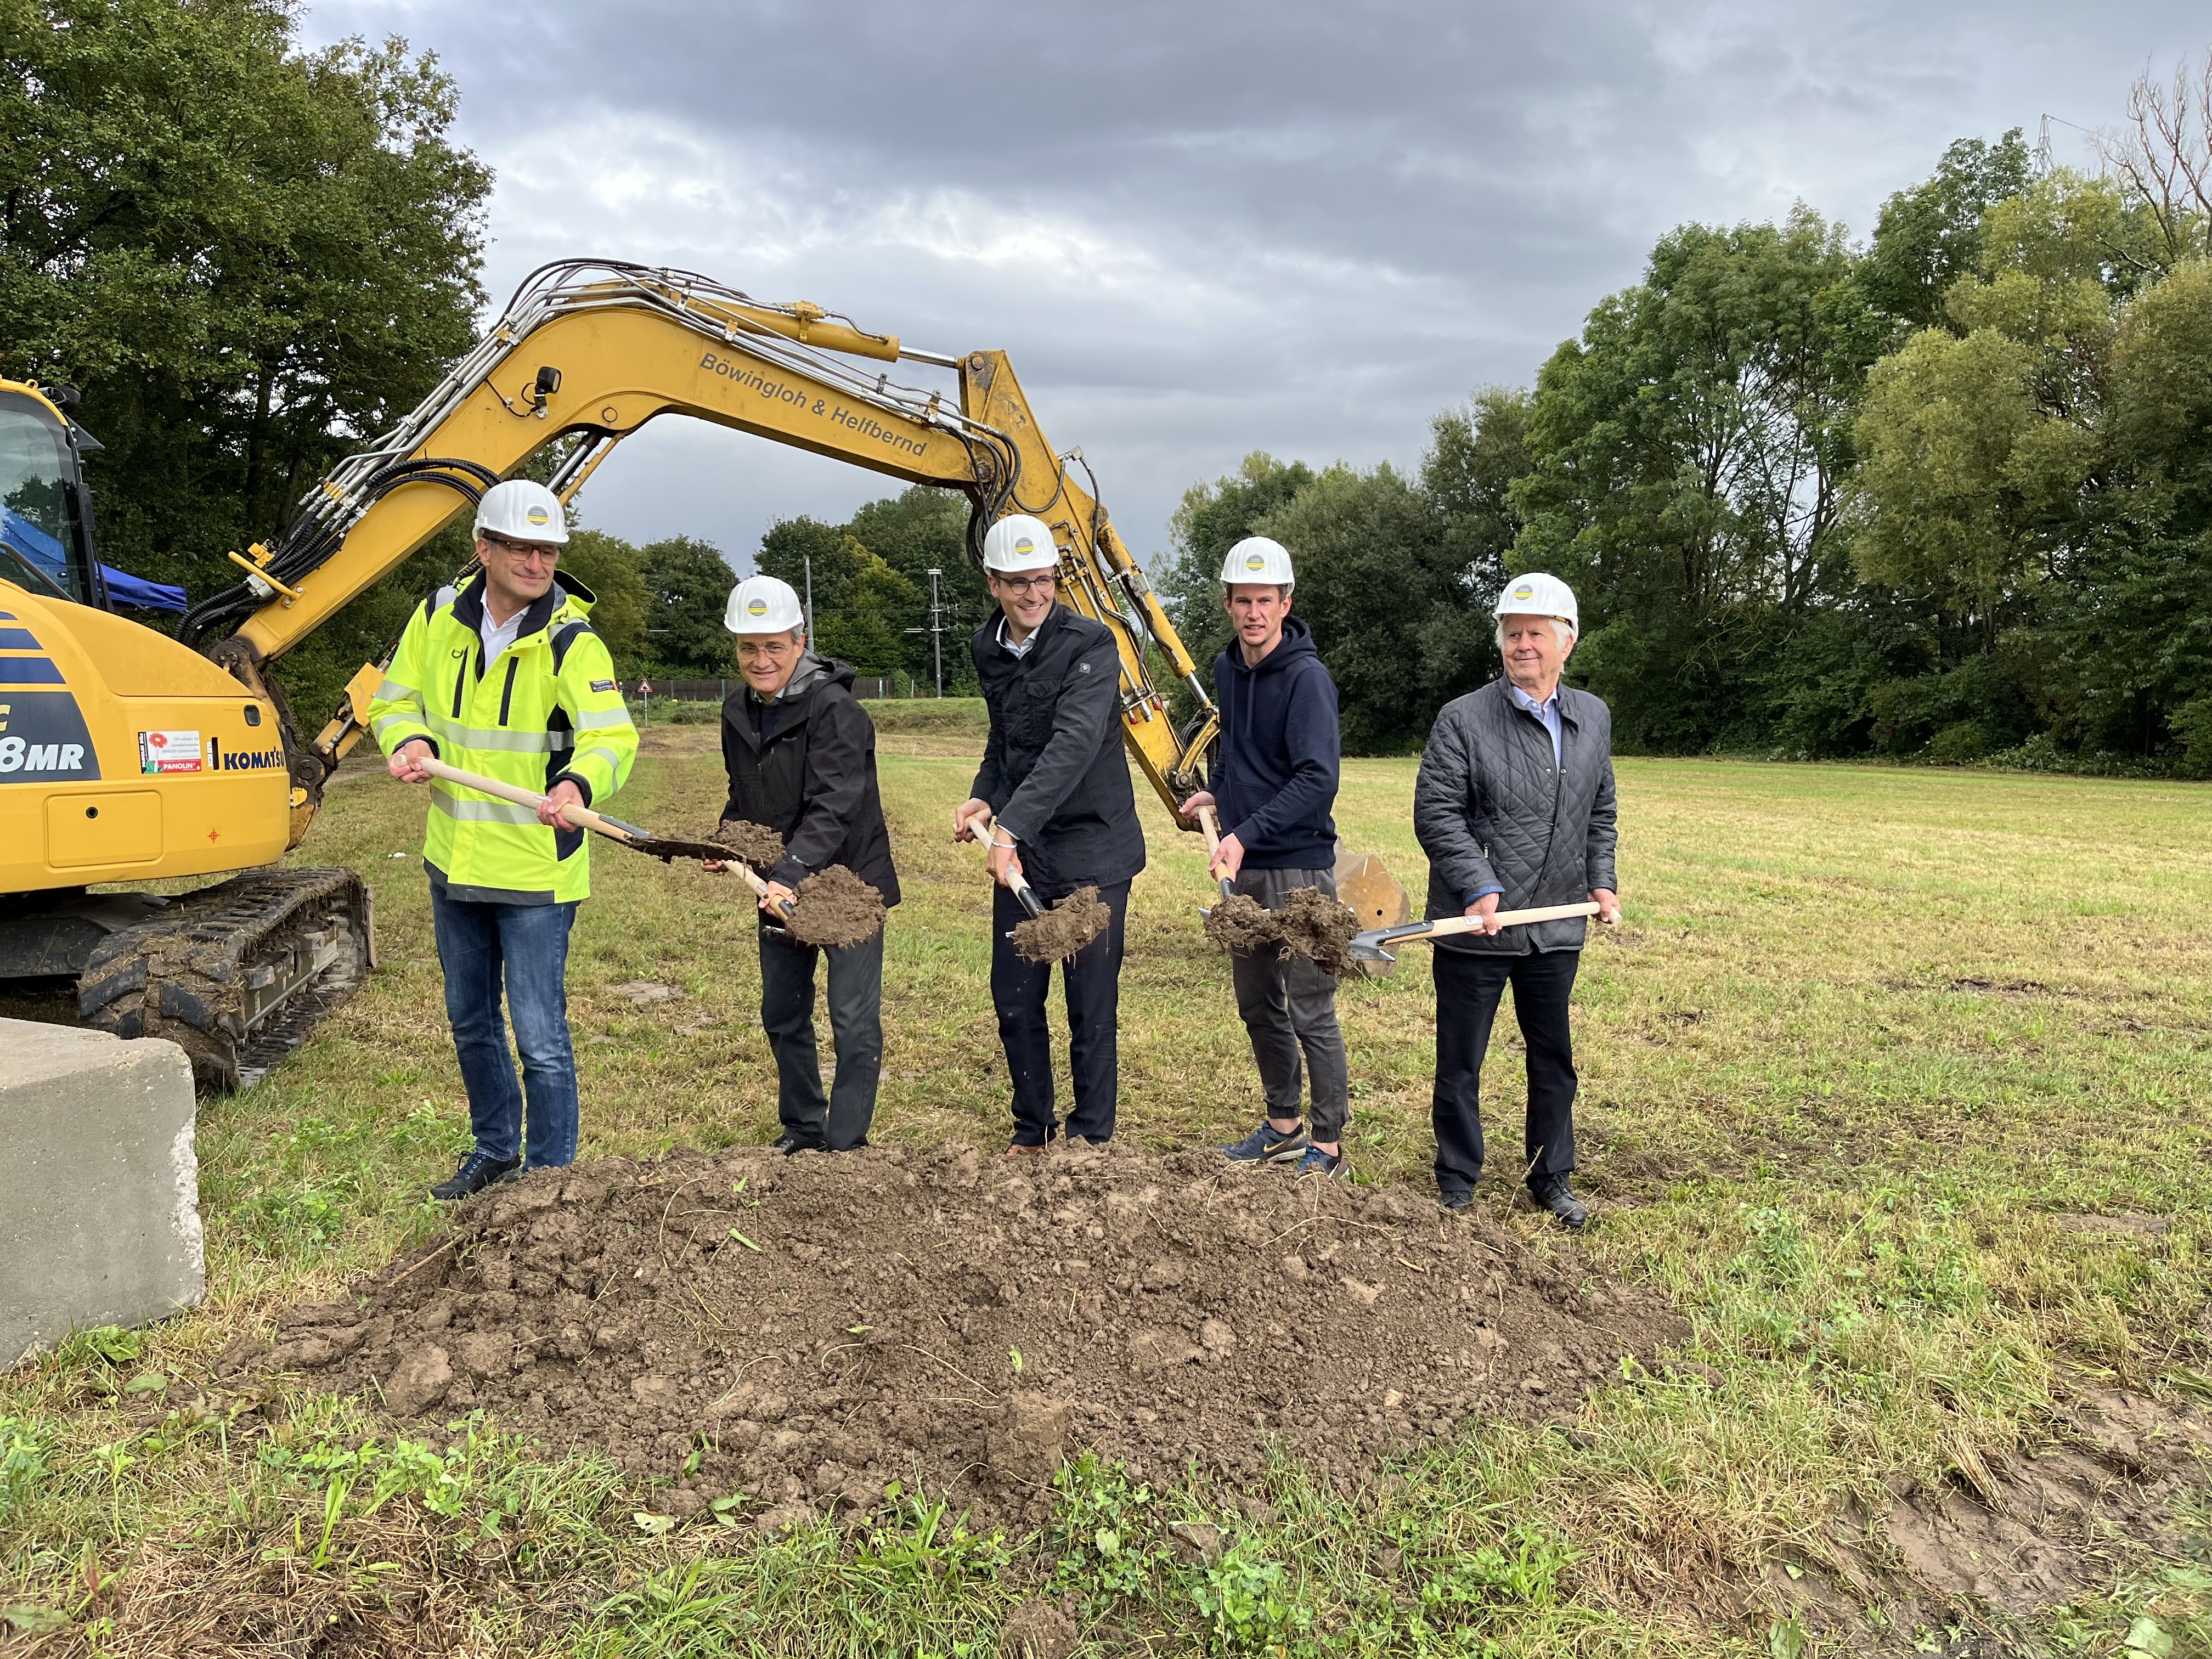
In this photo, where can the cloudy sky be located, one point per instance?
(1201, 228)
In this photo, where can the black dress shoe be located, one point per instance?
(791, 1143)
(1554, 1193)
(478, 1171)
(1456, 1200)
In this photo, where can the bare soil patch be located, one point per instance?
(835, 908)
(1238, 923)
(825, 1324)
(1065, 927)
(1309, 924)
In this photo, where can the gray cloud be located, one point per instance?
(1202, 229)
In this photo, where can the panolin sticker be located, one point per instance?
(168, 752)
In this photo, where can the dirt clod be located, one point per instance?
(1238, 923)
(749, 843)
(835, 908)
(1064, 928)
(1308, 923)
(945, 1322)
(1312, 924)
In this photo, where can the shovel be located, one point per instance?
(664, 847)
(1371, 946)
(1208, 823)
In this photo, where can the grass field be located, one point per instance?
(1895, 1081)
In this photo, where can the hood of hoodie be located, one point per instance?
(1296, 643)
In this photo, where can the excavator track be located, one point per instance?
(238, 975)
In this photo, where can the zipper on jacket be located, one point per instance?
(460, 683)
(506, 691)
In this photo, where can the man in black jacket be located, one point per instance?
(1514, 808)
(1274, 780)
(801, 757)
(1053, 799)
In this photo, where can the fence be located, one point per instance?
(870, 686)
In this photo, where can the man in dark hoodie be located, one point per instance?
(1053, 799)
(801, 757)
(1274, 778)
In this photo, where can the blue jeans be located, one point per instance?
(526, 946)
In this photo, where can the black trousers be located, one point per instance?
(1091, 979)
(1468, 988)
(856, 1023)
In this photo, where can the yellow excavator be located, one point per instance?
(128, 756)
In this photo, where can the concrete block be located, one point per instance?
(100, 1217)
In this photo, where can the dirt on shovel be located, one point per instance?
(749, 843)
(835, 908)
(1309, 924)
(1064, 928)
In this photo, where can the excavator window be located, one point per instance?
(41, 539)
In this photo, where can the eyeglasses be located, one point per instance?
(519, 550)
(1023, 587)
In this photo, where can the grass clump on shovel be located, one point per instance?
(1055, 934)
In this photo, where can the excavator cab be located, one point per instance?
(46, 512)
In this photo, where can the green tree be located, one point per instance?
(250, 257)
(1689, 453)
(1928, 236)
(1476, 452)
(608, 566)
(687, 588)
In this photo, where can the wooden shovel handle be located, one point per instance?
(1443, 926)
(576, 815)
(1212, 826)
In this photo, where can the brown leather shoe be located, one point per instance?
(1019, 1150)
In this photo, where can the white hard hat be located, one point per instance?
(1017, 542)
(523, 511)
(1539, 595)
(1258, 559)
(762, 605)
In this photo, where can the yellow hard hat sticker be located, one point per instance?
(1254, 562)
(538, 515)
(1524, 592)
(756, 607)
(1026, 544)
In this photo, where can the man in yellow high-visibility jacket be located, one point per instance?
(502, 676)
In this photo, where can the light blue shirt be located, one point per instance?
(1548, 712)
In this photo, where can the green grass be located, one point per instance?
(1868, 1047)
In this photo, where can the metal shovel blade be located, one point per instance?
(1373, 895)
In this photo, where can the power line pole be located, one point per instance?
(810, 601)
(936, 632)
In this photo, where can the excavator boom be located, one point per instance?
(593, 352)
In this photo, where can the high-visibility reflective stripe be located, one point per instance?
(613, 761)
(482, 812)
(391, 690)
(513, 742)
(604, 717)
(378, 728)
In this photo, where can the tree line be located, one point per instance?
(1943, 497)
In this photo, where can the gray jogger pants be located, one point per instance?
(1289, 1009)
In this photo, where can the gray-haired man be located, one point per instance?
(1514, 808)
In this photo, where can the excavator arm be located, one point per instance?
(592, 351)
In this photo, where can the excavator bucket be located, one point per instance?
(1373, 895)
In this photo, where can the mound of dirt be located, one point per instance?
(835, 908)
(1064, 928)
(823, 1325)
(749, 843)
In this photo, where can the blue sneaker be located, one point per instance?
(1316, 1162)
(1266, 1145)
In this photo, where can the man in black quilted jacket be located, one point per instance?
(1514, 808)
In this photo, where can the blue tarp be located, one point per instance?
(127, 589)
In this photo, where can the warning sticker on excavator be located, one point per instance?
(168, 752)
